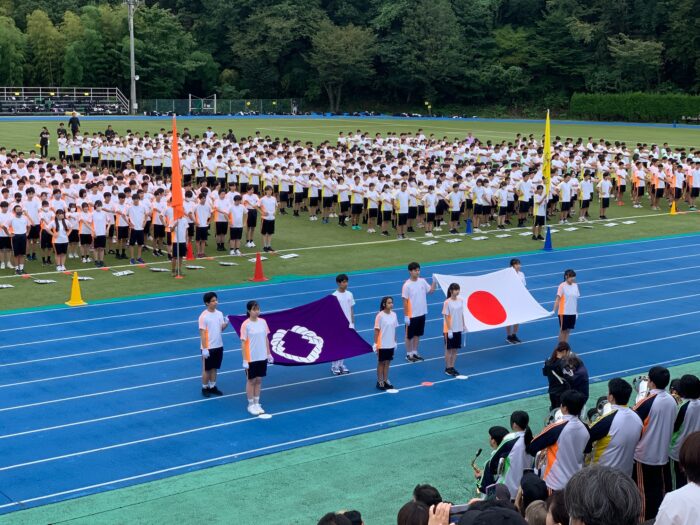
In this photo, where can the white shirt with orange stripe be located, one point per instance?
(453, 312)
(212, 323)
(254, 340)
(415, 295)
(568, 298)
(268, 206)
(386, 324)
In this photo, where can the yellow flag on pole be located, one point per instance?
(547, 156)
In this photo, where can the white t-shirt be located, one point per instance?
(386, 324)
(416, 292)
(268, 206)
(254, 338)
(212, 323)
(453, 310)
(568, 298)
(680, 507)
(347, 301)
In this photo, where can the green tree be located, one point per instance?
(73, 65)
(342, 56)
(12, 46)
(682, 41)
(637, 62)
(46, 47)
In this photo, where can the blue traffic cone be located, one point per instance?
(469, 227)
(548, 241)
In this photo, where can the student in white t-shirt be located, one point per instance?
(268, 207)
(236, 219)
(347, 302)
(512, 331)
(415, 307)
(452, 327)
(385, 325)
(256, 355)
(211, 325)
(566, 304)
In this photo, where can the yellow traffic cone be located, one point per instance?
(75, 298)
(673, 208)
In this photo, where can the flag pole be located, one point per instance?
(547, 179)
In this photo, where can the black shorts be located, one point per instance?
(385, 354)
(85, 239)
(372, 212)
(524, 207)
(478, 209)
(677, 195)
(122, 232)
(622, 188)
(202, 233)
(694, 192)
(356, 209)
(19, 244)
(74, 237)
(100, 241)
(565, 206)
(454, 342)
(216, 356)
(502, 211)
(454, 216)
(412, 212)
(416, 328)
(585, 203)
(158, 231)
(298, 198)
(659, 193)
(236, 234)
(190, 230)
(313, 202)
(403, 218)
(485, 210)
(567, 322)
(539, 220)
(327, 202)
(256, 369)
(344, 206)
(221, 228)
(45, 242)
(640, 191)
(179, 249)
(252, 219)
(136, 238)
(61, 248)
(33, 232)
(430, 217)
(6, 243)
(386, 216)
(605, 202)
(268, 227)
(284, 196)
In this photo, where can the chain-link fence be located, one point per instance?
(210, 106)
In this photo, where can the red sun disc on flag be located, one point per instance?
(486, 308)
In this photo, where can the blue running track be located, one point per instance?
(108, 395)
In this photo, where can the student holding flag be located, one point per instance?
(347, 303)
(256, 355)
(415, 307)
(512, 331)
(211, 325)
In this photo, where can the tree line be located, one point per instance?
(397, 53)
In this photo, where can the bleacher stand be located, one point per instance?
(62, 101)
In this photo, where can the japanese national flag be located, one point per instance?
(494, 300)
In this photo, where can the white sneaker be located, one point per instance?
(252, 244)
(10, 266)
(232, 252)
(428, 234)
(259, 408)
(437, 229)
(2, 266)
(253, 410)
(344, 369)
(477, 230)
(238, 252)
(58, 269)
(88, 259)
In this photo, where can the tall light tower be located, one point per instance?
(131, 4)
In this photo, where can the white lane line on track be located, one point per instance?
(427, 266)
(478, 351)
(310, 407)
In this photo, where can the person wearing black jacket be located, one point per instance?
(74, 124)
(110, 133)
(576, 374)
(553, 369)
(44, 136)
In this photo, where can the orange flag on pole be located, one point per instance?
(176, 179)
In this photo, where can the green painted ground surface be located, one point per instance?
(374, 473)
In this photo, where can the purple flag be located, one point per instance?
(317, 332)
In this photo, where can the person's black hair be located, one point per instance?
(522, 419)
(573, 401)
(603, 495)
(497, 433)
(556, 505)
(412, 513)
(451, 288)
(209, 296)
(413, 266)
(562, 346)
(620, 389)
(689, 457)
(341, 277)
(249, 306)
(689, 387)
(383, 302)
(569, 273)
(354, 516)
(427, 495)
(334, 518)
(513, 262)
(660, 376)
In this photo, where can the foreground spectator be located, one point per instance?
(536, 513)
(682, 506)
(556, 509)
(412, 513)
(427, 495)
(602, 496)
(334, 518)
(354, 516)
(687, 422)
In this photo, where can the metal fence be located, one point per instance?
(59, 100)
(209, 106)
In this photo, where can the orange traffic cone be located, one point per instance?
(258, 276)
(190, 255)
(673, 208)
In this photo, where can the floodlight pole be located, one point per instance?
(132, 7)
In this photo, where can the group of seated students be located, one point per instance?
(632, 465)
(411, 183)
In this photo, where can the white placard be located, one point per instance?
(262, 258)
(85, 278)
(480, 238)
(525, 234)
(159, 270)
(429, 243)
(123, 273)
(223, 263)
(194, 267)
(572, 229)
(289, 256)
(610, 224)
(454, 240)
(44, 281)
(6, 286)
(629, 222)
(503, 235)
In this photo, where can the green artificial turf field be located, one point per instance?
(324, 249)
